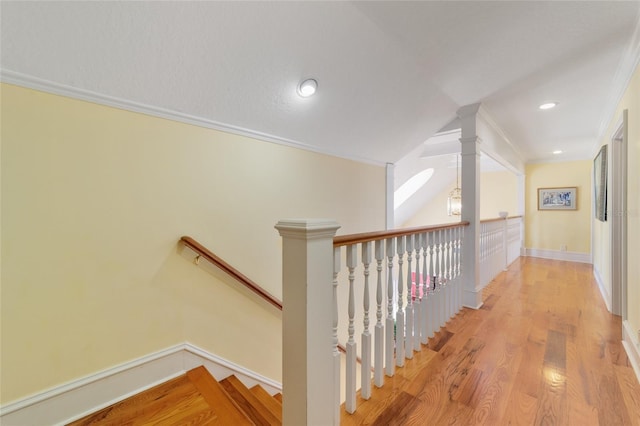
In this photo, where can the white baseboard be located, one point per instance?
(568, 256)
(603, 291)
(76, 399)
(631, 346)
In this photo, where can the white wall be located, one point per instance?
(601, 230)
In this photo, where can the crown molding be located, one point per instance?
(485, 114)
(35, 83)
(624, 73)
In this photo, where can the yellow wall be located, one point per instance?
(630, 102)
(498, 192)
(434, 212)
(94, 200)
(549, 230)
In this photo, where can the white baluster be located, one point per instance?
(460, 260)
(378, 362)
(417, 305)
(438, 280)
(365, 387)
(445, 275)
(481, 256)
(408, 346)
(336, 352)
(400, 313)
(452, 275)
(424, 320)
(454, 268)
(459, 267)
(454, 279)
(389, 326)
(432, 286)
(444, 284)
(350, 401)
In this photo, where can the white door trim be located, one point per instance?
(618, 215)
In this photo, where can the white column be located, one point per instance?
(472, 296)
(308, 387)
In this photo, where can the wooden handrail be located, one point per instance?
(239, 276)
(499, 218)
(345, 240)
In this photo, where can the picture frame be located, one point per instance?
(561, 198)
(600, 184)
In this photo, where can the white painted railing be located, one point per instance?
(500, 242)
(421, 291)
(416, 289)
(514, 238)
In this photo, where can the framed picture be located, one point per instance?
(558, 198)
(600, 184)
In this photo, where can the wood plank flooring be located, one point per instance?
(543, 350)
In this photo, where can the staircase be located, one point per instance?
(195, 398)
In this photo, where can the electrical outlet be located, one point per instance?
(563, 247)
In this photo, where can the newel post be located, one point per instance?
(308, 387)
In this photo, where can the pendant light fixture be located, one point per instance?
(454, 202)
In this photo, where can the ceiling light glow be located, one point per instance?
(548, 105)
(557, 151)
(307, 88)
(411, 186)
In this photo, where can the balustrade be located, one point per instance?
(418, 288)
(423, 290)
(500, 241)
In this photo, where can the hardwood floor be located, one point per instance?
(542, 350)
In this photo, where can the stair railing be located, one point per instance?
(204, 253)
(406, 315)
(500, 242)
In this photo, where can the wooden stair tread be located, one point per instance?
(272, 404)
(194, 398)
(227, 411)
(177, 399)
(249, 403)
(278, 396)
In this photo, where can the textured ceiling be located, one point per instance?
(390, 73)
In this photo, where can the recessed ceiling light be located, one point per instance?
(307, 88)
(557, 151)
(548, 105)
